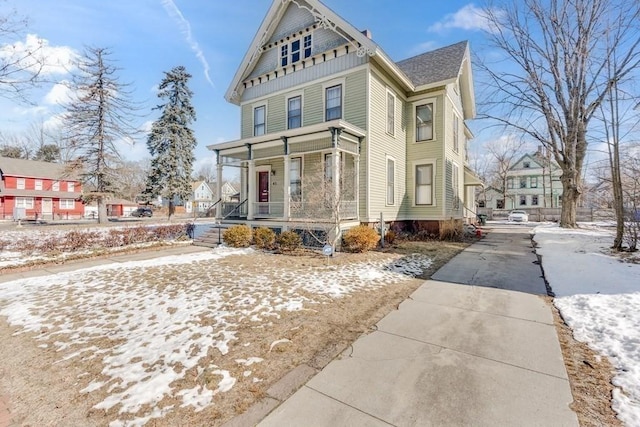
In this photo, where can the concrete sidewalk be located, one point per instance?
(451, 355)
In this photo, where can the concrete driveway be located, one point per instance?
(476, 346)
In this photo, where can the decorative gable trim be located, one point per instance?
(324, 18)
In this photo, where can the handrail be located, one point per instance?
(235, 209)
(213, 206)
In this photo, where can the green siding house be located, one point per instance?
(334, 133)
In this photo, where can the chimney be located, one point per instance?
(367, 33)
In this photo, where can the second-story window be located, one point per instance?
(523, 182)
(534, 182)
(259, 121)
(294, 112)
(38, 184)
(391, 114)
(333, 109)
(456, 130)
(71, 187)
(20, 183)
(55, 186)
(424, 122)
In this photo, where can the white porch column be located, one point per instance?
(335, 160)
(251, 197)
(356, 168)
(219, 189)
(286, 185)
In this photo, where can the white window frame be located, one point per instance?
(424, 162)
(534, 200)
(24, 202)
(391, 115)
(421, 103)
(37, 184)
(290, 97)
(293, 160)
(522, 199)
(55, 186)
(328, 85)
(71, 187)
(20, 183)
(67, 204)
(304, 51)
(534, 182)
(253, 118)
(390, 181)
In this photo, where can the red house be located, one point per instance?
(44, 190)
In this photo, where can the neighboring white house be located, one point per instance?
(204, 196)
(532, 182)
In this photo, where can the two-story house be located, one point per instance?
(40, 190)
(533, 181)
(332, 127)
(204, 196)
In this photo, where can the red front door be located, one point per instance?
(263, 192)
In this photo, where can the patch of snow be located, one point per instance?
(250, 361)
(276, 342)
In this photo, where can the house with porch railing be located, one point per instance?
(334, 133)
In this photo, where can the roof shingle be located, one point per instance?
(435, 66)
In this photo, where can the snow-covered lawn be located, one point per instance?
(150, 326)
(599, 298)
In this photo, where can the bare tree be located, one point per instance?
(20, 65)
(131, 178)
(100, 115)
(552, 78)
(320, 207)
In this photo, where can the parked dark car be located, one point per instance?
(141, 212)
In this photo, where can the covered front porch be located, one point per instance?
(305, 175)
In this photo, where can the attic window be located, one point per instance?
(296, 50)
(526, 165)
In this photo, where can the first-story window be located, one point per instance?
(391, 181)
(295, 179)
(294, 112)
(455, 182)
(259, 120)
(391, 113)
(500, 204)
(424, 184)
(24, 202)
(67, 203)
(523, 200)
(534, 200)
(424, 122)
(333, 101)
(481, 204)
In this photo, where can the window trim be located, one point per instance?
(456, 132)
(286, 52)
(391, 119)
(455, 184)
(71, 187)
(533, 182)
(433, 164)
(55, 186)
(24, 203)
(21, 184)
(287, 99)
(523, 200)
(420, 103)
(37, 184)
(66, 203)
(325, 100)
(300, 171)
(254, 109)
(534, 198)
(393, 182)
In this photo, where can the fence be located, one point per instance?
(552, 214)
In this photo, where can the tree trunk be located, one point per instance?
(570, 196)
(172, 209)
(102, 210)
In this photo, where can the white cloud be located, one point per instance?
(184, 25)
(35, 54)
(469, 17)
(60, 93)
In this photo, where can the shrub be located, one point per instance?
(138, 234)
(113, 239)
(238, 236)
(169, 232)
(49, 244)
(361, 239)
(451, 230)
(264, 238)
(390, 237)
(289, 240)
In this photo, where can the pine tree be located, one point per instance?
(171, 141)
(100, 115)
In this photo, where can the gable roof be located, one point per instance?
(435, 66)
(440, 66)
(34, 169)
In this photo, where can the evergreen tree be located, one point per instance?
(171, 141)
(100, 114)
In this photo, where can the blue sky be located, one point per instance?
(209, 38)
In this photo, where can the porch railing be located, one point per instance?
(268, 209)
(320, 211)
(237, 209)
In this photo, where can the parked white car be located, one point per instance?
(518, 216)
